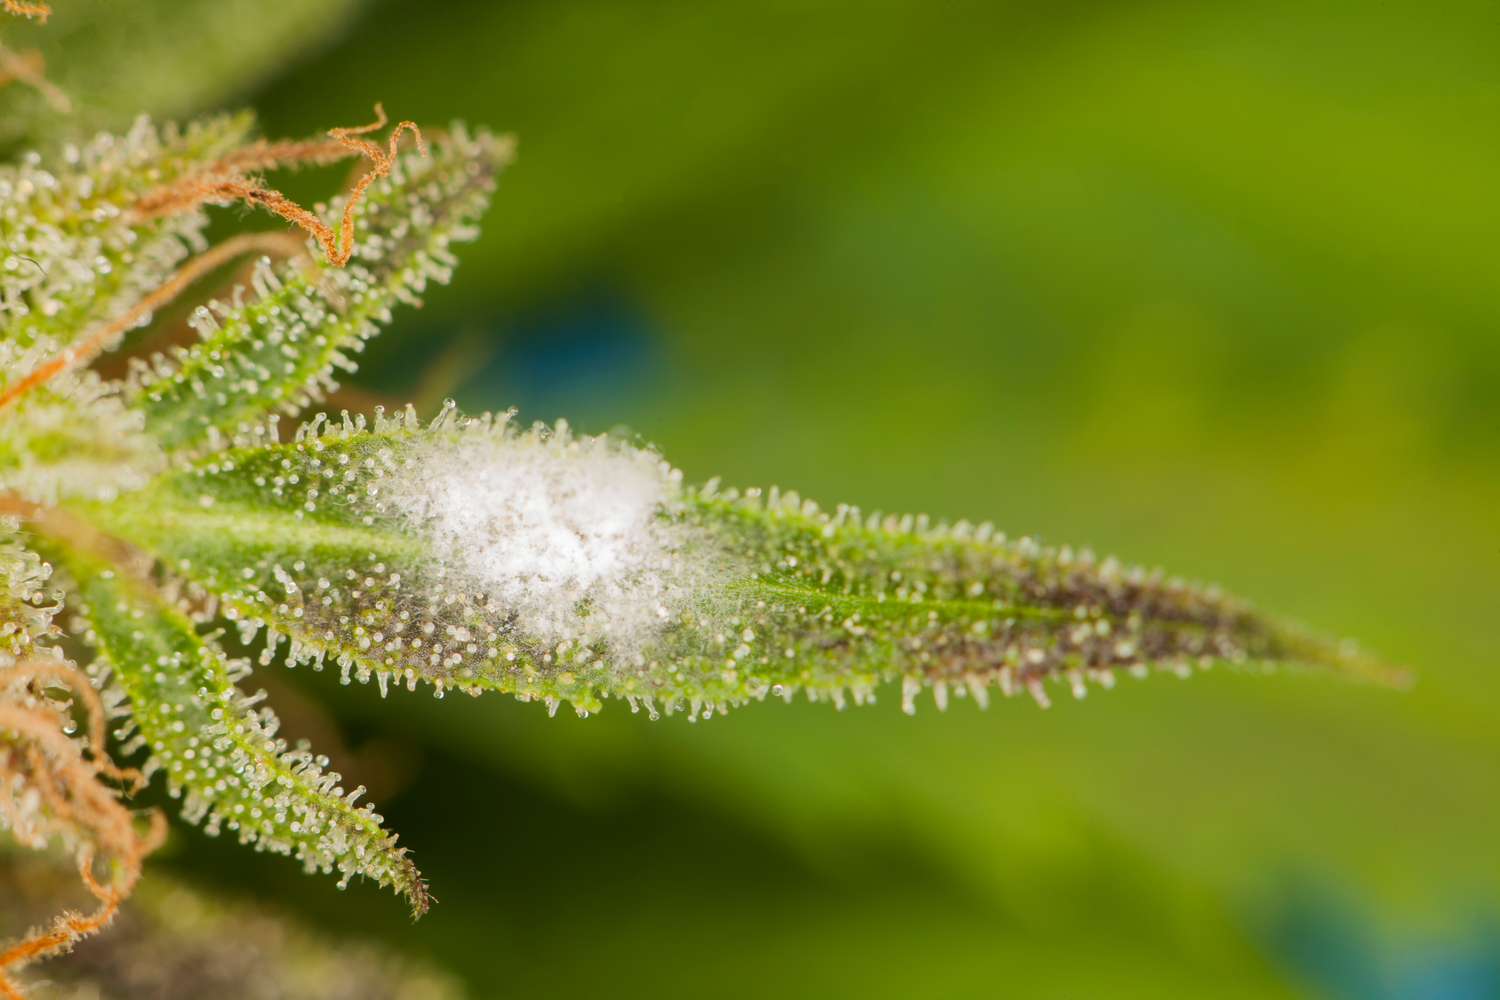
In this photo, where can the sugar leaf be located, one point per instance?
(473, 555)
(217, 747)
(73, 254)
(278, 344)
(69, 437)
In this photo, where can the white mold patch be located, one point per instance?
(571, 535)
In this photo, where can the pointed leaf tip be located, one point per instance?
(693, 600)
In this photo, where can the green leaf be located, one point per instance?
(69, 436)
(289, 538)
(842, 600)
(281, 348)
(218, 750)
(75, 257)
(317, 539)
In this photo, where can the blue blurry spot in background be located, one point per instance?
(1328, 941)
(1453, 976)
(585, 359)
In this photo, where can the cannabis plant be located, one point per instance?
(160, 496)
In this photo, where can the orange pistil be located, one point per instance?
(223, 182)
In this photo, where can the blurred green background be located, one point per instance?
(1210, 286)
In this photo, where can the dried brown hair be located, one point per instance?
(224, 181)
(66, 796)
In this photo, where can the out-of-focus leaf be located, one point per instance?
(173, 942)
(166, 58)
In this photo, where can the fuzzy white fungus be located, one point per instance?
(567, 533)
